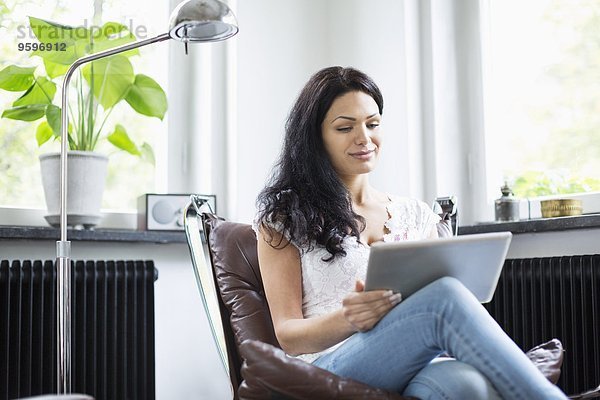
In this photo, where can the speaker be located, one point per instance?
(164, 212)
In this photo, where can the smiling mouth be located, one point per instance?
(363, 155)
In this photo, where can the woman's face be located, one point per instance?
(351, 133)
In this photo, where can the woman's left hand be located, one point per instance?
(363, 310)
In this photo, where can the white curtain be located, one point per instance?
(445, 95)
(201, 154)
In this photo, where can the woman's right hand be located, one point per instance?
(363, 310)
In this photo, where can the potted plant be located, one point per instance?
(98, 87)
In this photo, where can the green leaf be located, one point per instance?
(109, 30)
(120, 139)
(147, 153)
(25, 113)
(4, 10)
(53, 116)
(52, 32)
(72, 143)
(110, 35)
(41, 92)
(43, 133)
(71, 43)
(16, 78)
(109, 44)
(147, 97)
(113, 77)
(62, 37)
(55, 70)
(64, 57)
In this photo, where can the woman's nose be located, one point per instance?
(362, 135)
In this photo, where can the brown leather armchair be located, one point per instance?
(233, 296)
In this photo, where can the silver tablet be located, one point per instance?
(405, 267)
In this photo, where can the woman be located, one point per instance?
(316, 221)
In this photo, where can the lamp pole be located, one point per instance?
(63, 246)
(191, 21)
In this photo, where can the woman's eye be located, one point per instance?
(372, 126)
(344, 129)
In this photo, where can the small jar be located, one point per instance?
(507, 206)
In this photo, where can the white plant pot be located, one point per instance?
(86, 175)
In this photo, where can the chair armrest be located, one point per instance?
(548, 358)
(267, 370)
(590, 394)
(444, 228)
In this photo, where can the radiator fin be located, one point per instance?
(112, 329)
(541, 298)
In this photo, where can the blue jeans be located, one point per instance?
(442, 317)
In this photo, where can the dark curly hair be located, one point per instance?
(305, 197)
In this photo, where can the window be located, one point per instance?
(543, 96)
(128, 177)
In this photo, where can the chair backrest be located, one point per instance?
(226, 270)
(231, 286)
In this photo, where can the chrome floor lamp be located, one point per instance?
(191, 21)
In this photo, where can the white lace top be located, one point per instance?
(325, 284)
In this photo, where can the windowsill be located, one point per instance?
(585, 221)
(101, 235)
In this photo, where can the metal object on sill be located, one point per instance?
(164, 212)
(446, 207)
(507, 206)
(561, 208)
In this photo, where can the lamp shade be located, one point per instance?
(202, 21)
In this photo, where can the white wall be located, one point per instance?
(280, 45)
(423, 54)
(552, 244)
(370, 37)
